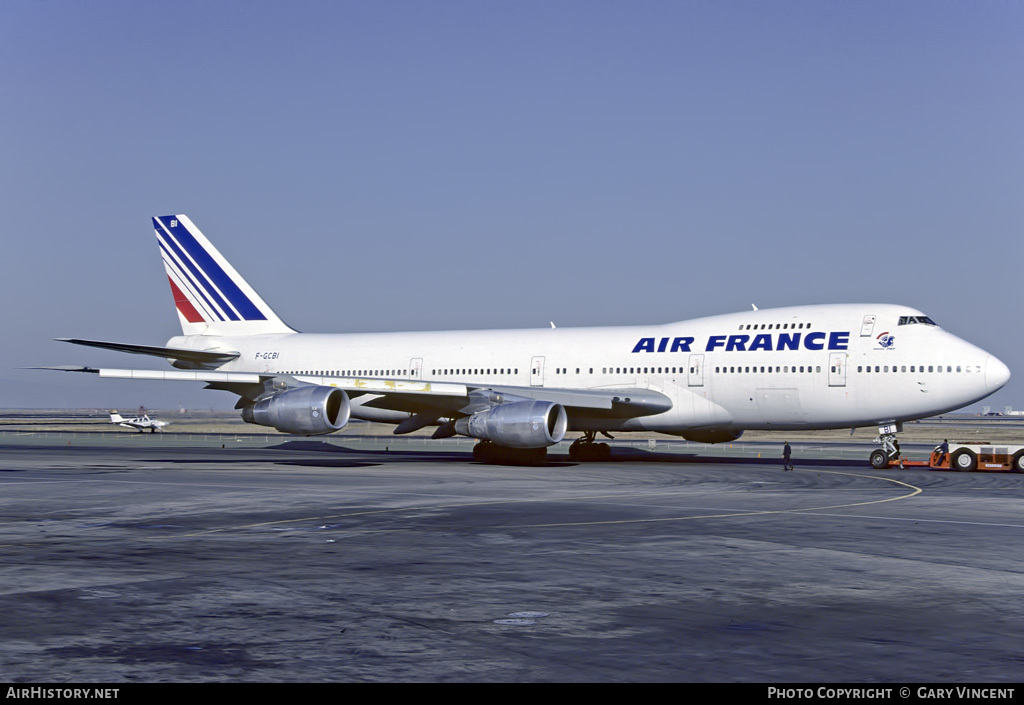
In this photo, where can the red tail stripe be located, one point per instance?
(184, 305)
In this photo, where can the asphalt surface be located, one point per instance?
(144, 561)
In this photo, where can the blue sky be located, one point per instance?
(445, 165)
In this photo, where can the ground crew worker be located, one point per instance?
(787, 453)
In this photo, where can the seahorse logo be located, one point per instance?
(886, 341)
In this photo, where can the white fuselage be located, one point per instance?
(818, 366)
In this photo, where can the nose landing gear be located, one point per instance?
(890, 450)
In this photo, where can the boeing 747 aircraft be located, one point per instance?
(521, 391)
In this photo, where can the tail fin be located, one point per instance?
(211, 297)
(115, 417)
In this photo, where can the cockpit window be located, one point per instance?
(909, 320)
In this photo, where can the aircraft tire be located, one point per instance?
(1018, 461)
(879, 459)
(590, 452)
(963, 461)
(482, 451)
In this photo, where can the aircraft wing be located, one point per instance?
(413, 396)
(250, 385)
(617, 403)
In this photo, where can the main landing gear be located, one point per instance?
(584, 449)
(890, 450)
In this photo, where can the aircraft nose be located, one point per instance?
(996, 373)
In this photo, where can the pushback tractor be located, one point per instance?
(964, 457)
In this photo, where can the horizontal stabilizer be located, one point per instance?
(197, 357)
(67, 368)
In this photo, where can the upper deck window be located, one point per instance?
(908, 320)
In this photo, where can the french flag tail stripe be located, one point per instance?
(184, 305)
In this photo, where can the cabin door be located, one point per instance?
(867, 326)
(537, 371)
(837, 369)
(696, 371)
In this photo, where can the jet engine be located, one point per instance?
(711, 435)
(307, 411)
(521, 424)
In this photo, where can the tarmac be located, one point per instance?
(207, 558)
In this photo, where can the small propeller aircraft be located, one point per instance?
(140, 423)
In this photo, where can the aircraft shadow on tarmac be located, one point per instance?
(250, 461)
(618, 455)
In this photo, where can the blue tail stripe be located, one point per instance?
(227, 286)
(195, 265)
(198, 280)
(238, 299)
(185, 277)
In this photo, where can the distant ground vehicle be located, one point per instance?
(964, 457)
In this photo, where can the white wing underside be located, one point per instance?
(634, 402)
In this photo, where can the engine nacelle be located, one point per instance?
(307, 411)
(711, 435)
(520, 424)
